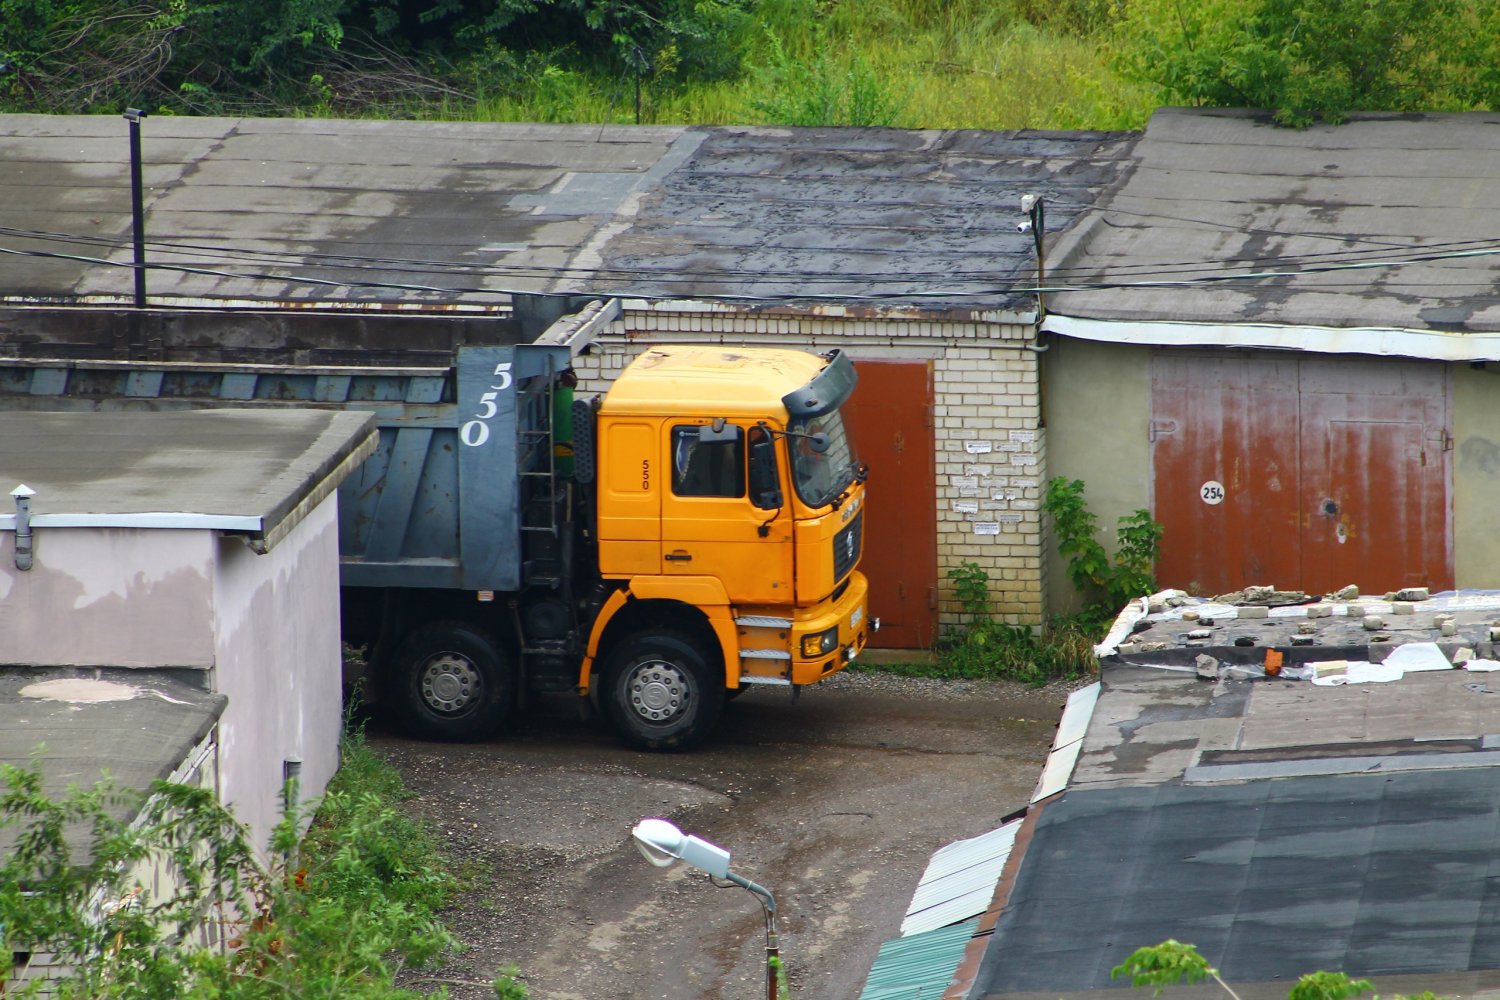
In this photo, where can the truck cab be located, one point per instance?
(729, 527)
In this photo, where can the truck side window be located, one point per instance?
(706, 468)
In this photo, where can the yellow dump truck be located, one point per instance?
(694, 530)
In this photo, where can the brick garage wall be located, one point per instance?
(991, 456)
(990, 448)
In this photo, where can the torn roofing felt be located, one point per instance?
(1379, 874)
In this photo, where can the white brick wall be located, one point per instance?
(990, 449)
(990, 462)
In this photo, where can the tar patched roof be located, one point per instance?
(79, 726)
(462, 212)
(926, 216)
(1225, 192)
(250, 471)
(1342, 816)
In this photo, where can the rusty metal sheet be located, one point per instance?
(1302, 472)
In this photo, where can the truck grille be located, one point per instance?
(847, 545)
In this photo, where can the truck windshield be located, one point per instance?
(820, 477)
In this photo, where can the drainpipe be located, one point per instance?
(291, 780)
(23, 495)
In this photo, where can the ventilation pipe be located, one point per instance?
(23, 495)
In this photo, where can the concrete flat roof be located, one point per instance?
(1218, 193)
(78, 726)
(252, 471)
(442, 214)
(1282, 824)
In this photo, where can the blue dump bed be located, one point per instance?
(438, 505)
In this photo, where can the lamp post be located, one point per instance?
(662, 843)
(1035, 223)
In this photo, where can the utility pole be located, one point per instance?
(137, 205)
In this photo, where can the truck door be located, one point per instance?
(709, 525)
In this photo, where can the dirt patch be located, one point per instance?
(835, 802)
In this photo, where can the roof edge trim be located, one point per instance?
(1434, 345)
(141, 519)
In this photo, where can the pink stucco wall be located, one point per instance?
(112, 597)
(278, 659)
(264, 629)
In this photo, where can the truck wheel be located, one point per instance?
(452, 683)
(660, 693)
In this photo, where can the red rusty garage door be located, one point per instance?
(1301, 472)
(890, 419)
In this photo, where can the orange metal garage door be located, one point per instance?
(1301, 472)
(890, 419)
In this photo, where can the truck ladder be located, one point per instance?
(537, 459)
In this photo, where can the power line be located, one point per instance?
(1239, 279)
(1187, 271)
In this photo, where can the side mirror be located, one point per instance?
(765, 484)
(818, 442)
(719, 432)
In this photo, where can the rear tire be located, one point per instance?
(451, 682)
(660, 693)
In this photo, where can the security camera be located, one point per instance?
(1028, 201)
(1024, 226)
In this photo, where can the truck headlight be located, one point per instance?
(819, 643)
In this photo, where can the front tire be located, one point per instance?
(452, 683)
(660, 692)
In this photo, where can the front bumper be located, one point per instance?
(851, 613)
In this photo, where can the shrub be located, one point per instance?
(1106, 584)
(983, 648)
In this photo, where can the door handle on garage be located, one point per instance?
(679, 556)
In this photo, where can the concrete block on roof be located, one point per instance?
(1403, 608)
(1412, 594)
(1319, 611)
(1254, 611)
(1374, 623)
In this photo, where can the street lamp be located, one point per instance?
(1033, 207)
(662, 843)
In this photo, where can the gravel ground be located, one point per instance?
(835, 801)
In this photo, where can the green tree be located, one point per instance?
(1106, 584)
(1307, 60)
(1171, 962)
(334, 916)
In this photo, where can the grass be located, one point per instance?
(983, 64)
(989, 650)
(398, 856)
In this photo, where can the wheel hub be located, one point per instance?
(658, 691)
(450, 683)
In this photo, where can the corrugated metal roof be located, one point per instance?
(1312, 209)
(1068, 742)
(960, 880)
(918, 967)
